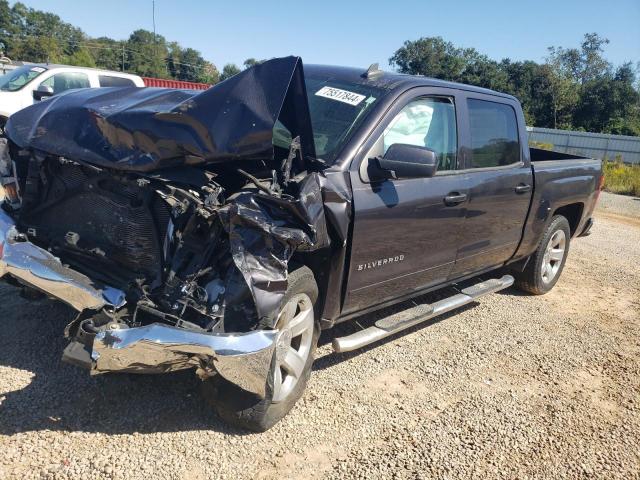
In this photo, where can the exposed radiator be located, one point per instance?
(102, 218)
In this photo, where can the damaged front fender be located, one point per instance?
(265, 231)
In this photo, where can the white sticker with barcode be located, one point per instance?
(339, 95)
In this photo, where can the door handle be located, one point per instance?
(523, 188)
(455, 198)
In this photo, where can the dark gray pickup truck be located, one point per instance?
(222, 230)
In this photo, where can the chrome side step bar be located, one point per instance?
(408, 318)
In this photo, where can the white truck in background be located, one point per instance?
(32, 83)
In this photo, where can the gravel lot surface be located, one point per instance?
(513, 386)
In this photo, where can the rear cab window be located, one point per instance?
(111, 81)
(494, 134)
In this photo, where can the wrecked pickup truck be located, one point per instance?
(222, 230)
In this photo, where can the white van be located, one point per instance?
(29, 84)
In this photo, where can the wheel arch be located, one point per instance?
(573, 213)
(318, 263)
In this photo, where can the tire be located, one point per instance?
(533, 279)
(248, 411)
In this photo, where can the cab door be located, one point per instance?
(405, 231)
(500, 184)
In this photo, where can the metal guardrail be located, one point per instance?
(595, 145)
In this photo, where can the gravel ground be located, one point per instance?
(513, 386)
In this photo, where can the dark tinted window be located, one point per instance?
(108, 81)
(494, 134)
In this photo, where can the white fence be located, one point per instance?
(594, 145)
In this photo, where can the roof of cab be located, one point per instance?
(391, 80)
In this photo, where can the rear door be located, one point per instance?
(405, 237)
(500, 183)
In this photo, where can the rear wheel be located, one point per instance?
(545, 265)
(290, 367)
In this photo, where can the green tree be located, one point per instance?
(229, 70)
(563, 88)
(37, 36)
(430, 56)
(436, 58)
(584, 64)
(610, 103)
(108, 53)
(252, 62)
(191, 66)
(209, 73)
(147, 54)
(529, 82)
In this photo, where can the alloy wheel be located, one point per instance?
(553, 256)
(296, 324)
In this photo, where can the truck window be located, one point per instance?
(427, 122)
(66, 81)
(14, 80)
(110, 81)
(336, 118)
(494, 134)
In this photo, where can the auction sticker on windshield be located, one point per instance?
(344, 96)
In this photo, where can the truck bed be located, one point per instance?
(541, 155)
(563, 183)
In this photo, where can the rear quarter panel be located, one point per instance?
(558, 183)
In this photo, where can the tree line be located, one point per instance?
(574, 88)
(32, 35)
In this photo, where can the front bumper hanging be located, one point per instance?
(241, 358)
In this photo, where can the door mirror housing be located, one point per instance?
(405, 161)
(42, 91)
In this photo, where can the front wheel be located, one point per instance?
(545, 265)
(290, 367)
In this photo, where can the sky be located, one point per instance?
(359, 33)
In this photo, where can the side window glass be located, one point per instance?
(66, 81)
(109, 81)
(494, 134)
(427, 122)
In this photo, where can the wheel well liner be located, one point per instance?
(573, 214)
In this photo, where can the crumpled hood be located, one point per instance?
(145, 129)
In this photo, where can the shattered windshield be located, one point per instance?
(18, 78)
(337, 109)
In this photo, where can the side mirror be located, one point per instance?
(405, 161)
(42, 91)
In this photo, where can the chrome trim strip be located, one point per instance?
(37, 268)
(374, 333)
(242, 358)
